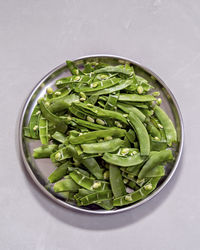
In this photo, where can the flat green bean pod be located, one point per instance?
(43, 130)
(156, 159)
(126, 70)
(96, 197)
(122, 85)
(60, 172)
(63, 103)
(67, 184)
(136, 98)
(116, 132)
(141, 133)
(34, 123)
(167, 124)
(129, 108)
(123, 161)
(44, 151)
(96, 86)
(116, 182)
(137, 195)
(59, 123)
(102, 147)
(88, 182)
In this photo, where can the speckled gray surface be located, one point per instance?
(38, 35)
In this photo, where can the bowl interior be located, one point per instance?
(40, 169)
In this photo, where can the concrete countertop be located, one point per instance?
(36, 36)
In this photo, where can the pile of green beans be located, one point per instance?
(105, 132)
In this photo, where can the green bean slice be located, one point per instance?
(60, 137)
(123, 161)
(73, 69)
(156, 171)
(63, 103)
(43, 130)
(137, 195)
(167, 124)
(96, 86)
(157, 145)
(102, 147)
(59, 172)
(141, 133)
(115, 132)
(122, 69)
(60, 155)
(130, 134)
(88, 182)
(129, 108)
(122, 85)
(68, 81)
(116, 182)
(156, 159)
(112, 101)
(96, 197)
(59, 123)
(136, 98)
(44, 151)
(34, 123)
(67, 184)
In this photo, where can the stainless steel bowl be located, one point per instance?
(40, 169)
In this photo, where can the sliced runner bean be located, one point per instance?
(141, 133)
(96, 197)
(67, 184)
(137, 195)
(44, 151)
(123, 161)
(59, 123)
(43, 130)
(34, 123)
(167, 124)
(102, 147)
(115, 132)
(60, 172)
(116, 182)
(122, 85)
(88, 182)
(122, 69)
(129, 108)
(156, 159)
(60, 137)
(136, 98)
(63, 103)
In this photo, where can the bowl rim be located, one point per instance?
(79, 209)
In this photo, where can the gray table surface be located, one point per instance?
(35, 37)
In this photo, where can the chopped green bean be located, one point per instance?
(105, 133)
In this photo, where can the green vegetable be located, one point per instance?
(104, 132)
(44, 151)
(123, 161)
(88, 182)
(141, 133)
(60, 172)
(167, 124)
(102, 147)
(156, 159)
(116, 182)
(137, 195)
(67, 184)
(115, 132)
(43, 130)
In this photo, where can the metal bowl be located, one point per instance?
(40, 169)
